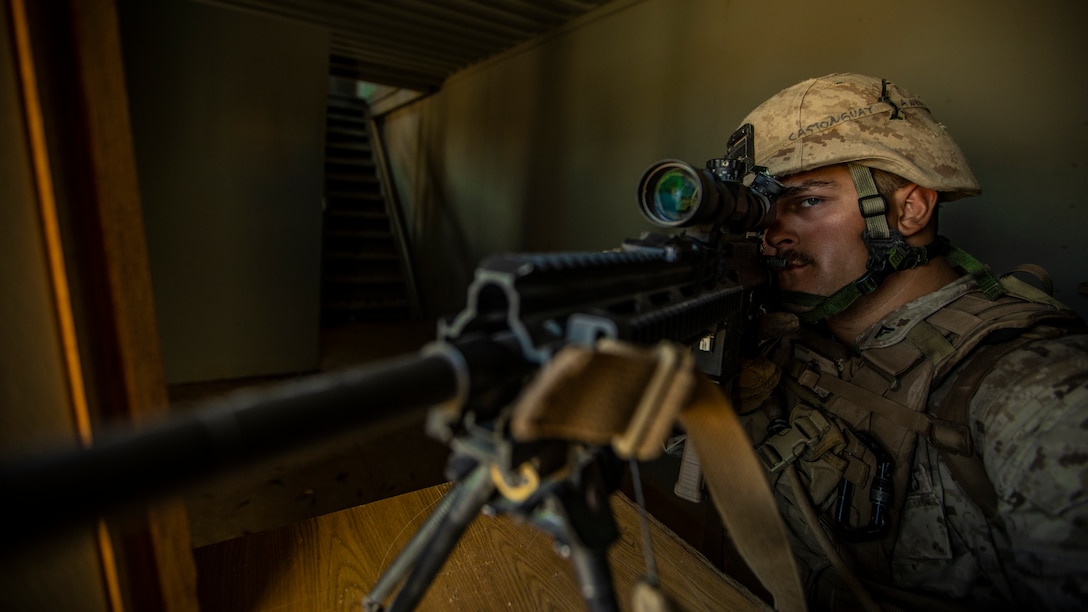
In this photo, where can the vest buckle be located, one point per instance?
(783, 448)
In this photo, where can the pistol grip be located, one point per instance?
(689, 482)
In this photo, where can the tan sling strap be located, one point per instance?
(630, 397)
(741, 494)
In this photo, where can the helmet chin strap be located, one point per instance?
(818, 308)
(888, 253)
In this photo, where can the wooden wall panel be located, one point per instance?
(36, 399)
(75, 114)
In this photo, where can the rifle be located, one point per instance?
(695, 288)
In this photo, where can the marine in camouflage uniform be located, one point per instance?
(898, 333)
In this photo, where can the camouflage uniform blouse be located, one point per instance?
(1029, 420)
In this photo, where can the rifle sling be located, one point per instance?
(596, 396)
(738, 486)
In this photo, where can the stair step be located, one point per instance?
(353, 194)
(356, 161)
(372, 206)
(368, 234)
(366, 301)
(346, 230)
(362, 304)
(355, 280)
(367, 240)
(362, 165)
(362, 147)
(387, 286)
(378, 265)
(398, 298)
(354, 177)
(394, 315)
(340, 144)
(341, 129)
(346, 102)
(361, 256)
(338, 130)
(363, 215)
(347, 120)
(381, 312)
(345, 236)
(352, 189)
(354, 117)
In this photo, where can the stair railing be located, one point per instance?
(396, 220)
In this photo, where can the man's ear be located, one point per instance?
(915, 208)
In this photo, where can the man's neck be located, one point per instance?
(896, 290)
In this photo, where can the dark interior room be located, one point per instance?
(207, 200)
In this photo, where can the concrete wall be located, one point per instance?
(228, 122)
(542, 149)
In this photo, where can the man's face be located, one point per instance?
(818, 232)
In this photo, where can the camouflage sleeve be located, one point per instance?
(1031, 418)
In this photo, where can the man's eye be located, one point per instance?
(809, 202)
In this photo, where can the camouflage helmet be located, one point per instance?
(845, 117)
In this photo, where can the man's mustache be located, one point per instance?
(787, 258)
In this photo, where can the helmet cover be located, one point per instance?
(846, 117)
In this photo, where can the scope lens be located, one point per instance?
(675, 195)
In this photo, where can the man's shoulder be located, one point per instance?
(965, 314)
(1063, 351)
(1030, 414)
(1042, 369)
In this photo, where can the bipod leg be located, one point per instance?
(409, 555)
(475, 491)
(594, 578)
(589, 528)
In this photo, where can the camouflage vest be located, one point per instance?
(852, 419)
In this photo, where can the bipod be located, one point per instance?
(569, 501)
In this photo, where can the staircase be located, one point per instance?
(366, 276)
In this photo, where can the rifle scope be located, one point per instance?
(731, 191)
(673, 193)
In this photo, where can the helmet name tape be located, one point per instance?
(857, 113)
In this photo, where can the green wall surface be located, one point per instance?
(228, 112)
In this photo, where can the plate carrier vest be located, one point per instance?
(854, 419)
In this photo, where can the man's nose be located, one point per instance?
(778, 236)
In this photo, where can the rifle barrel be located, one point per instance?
(133, 464)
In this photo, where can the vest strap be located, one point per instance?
(930, 341)
(989, 285)
(947, 435)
